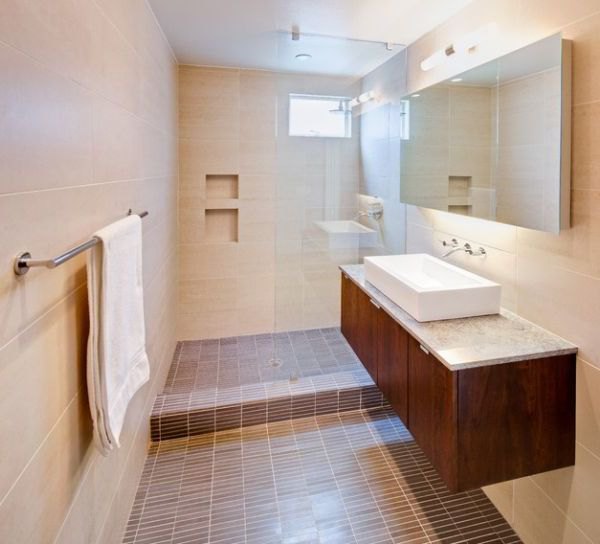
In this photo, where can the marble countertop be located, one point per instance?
(472, 341)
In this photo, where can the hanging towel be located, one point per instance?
(117, 364)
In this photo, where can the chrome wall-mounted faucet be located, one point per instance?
(466, 248)
(373, 211)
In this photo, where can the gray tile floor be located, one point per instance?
(227, 383)
(244, 360)
(348, 478)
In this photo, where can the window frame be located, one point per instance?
(319, 97)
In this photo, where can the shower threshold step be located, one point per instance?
(228, 383)
(207, 411)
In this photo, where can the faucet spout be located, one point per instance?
(453, 250)
(467, 249)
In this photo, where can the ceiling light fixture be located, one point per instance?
(467, 44)
(415, 95)
(303, 57)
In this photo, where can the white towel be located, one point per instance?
(117, 364)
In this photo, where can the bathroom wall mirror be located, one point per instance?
(494, 142)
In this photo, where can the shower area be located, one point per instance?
(285, 174)
(321, 220)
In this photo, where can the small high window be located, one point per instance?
(320, 116)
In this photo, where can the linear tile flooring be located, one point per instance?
(215, 385)
(345, 478)
(263, 358)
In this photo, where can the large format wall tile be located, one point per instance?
(234, 123)
(89, 125)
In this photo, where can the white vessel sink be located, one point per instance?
(430, 289)
(347, 234)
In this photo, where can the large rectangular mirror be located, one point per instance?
(494, 142)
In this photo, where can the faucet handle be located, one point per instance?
(452, 243)
(470, 251)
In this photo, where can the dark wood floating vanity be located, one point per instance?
(488, 399)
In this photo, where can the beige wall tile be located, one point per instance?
(201, 157)
(116, 68)
(569, 312)
(576, 491)
(34, 101)
(588, 406)
(57, 34)
(117, 134)
(206, 119)
(586, 146)
(80, 118)
(58, 466)
(258, 157)
(538, 519)
(208, 295)
(202, 261)
(586, 50)
(502, 495)
(576, 249)
(214, 324)
(258, 187)
(29, 380)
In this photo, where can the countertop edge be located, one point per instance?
(382, 300)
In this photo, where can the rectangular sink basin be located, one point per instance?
(430, 289)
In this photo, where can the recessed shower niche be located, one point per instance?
(222, 208)
(222, 186)
(221, 225)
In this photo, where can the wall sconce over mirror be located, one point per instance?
(465, 44)
(494, 142)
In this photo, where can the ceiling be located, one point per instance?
(248, 33)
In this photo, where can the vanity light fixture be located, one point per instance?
(362, 99)
(415, 95)
(456, 80)
(467, 44)
(432, 61)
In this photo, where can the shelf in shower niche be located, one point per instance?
(222, 204)
(221, 225)
(222, 186)
(459, 186)
(459, 201)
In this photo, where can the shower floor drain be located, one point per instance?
(274, 363)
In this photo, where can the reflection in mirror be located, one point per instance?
(494, 142)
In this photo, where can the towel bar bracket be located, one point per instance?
(24, 261)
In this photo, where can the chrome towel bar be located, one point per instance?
(24, 262)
